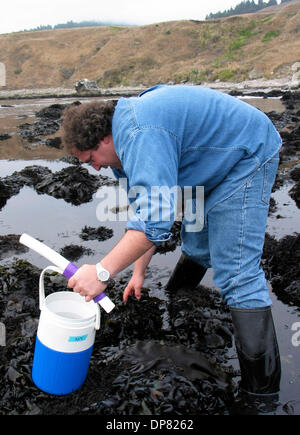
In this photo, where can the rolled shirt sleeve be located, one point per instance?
(150, 161)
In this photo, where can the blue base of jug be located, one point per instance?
(59, 372)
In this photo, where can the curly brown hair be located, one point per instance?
(85, 125)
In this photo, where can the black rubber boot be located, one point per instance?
(186, 275)
(257, 350)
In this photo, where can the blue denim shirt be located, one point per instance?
(187, 136)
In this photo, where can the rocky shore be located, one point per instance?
(247, 87)
(64, 92)
(153, 356)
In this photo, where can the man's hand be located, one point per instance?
(137, 280)
(86, 283)
(135, 285)
(132, 246)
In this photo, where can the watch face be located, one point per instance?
(103, 275)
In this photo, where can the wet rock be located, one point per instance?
(72, 160)
(292, 407)
(162, 392)
(192, 364)
(13, 308)
(29, 328)
(54, 142)
(101, 233)
(137, 320)
(280, 261)
(295, 80)
(12, 184)
(33, 409)
(290, 131)
(12, 374)
(272, 206)
(85, 85)
(29, 176)
(18, 280)
(291, 140)
(5, 194)
(255, 73)
(166, 377)
(294, 193)
(48, 123)
(287, 123)
(280, 120)
(74, 184)
(295, 174)
(4, 136)
(74, 252)
(10, 245)
(51, 112)
(200, 320)
(34, 132)
(292, 101)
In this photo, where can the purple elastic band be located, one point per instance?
(70, 270)
(99, 297)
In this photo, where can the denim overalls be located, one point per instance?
(195, 136)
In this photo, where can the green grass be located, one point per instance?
(270, 35)
(244, 35)
(265, 20)
(192, 76)
(224, 75)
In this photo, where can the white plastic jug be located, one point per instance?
(65, 339)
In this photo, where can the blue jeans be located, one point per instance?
(232, 240)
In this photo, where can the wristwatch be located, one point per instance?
(102, 274)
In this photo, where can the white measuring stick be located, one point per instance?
(67, 267)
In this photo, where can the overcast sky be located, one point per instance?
(18, 15)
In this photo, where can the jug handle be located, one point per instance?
(41, 283)
(42, 292)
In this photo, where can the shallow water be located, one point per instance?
(59, 223)
(265, 104)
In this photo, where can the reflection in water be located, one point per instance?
(265, 104)
(16, 112)
(286, 218)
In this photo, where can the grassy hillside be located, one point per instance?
(236, 48)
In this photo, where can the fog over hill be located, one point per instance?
(263, 44)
